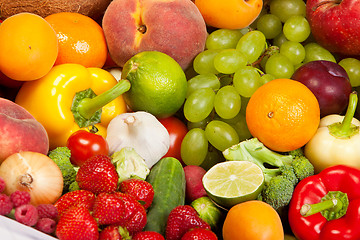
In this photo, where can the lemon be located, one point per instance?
(158, 83)
(231, 182)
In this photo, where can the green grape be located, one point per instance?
(204, 61)
(240, 126)
(206, 80)
(199, 104)
(279, 66)
(287, 8)
(279, 39)
(297, 29)
(194, 147)
(229, 60)
(314, 52)
(266, 78)
(201, 124)
(227, 102)
(268, 52)
(352, 67)
(223, 39)
(213, 157)
(246, 80)
(294, 51)
(270, 25)
(252, 45)
(221, 135)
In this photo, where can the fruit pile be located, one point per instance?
(180, 120)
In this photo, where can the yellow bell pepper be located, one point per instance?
(50, 100)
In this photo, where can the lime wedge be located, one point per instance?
(231, 182)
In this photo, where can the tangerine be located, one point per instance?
(283, 114)
(28, 47)
(81, 39)
(230, 14)
(252, 220)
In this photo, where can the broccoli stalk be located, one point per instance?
(61, 156)
(281, 171)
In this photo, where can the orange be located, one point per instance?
(81, 39)
(283, 114)
(231, 14)
(252, 220)
(28, 47)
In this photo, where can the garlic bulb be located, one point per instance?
(141, 131)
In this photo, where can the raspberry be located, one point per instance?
(5, 204)
(19, 198)
(47, 211)
(2, 184)
(46, 225)
(27, 214)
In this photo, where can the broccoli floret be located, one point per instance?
(74, 186)
(282, 171)
(278, 192)
(61, 156)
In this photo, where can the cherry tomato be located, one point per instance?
(84, 144)
(177, 131)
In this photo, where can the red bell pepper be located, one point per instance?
(326, 206)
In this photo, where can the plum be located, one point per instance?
(329, 82)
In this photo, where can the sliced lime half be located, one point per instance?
(231, 182)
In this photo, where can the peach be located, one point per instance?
(20, 131)
(174, 27)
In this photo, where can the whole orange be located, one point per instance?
(283, 114)
(252, 220)
(28, 47)
(81, 39)
(231, 14)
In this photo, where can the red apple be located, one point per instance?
(174, 27)
(20, 131)
(335, 24)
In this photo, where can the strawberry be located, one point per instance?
(135, 214)
(77, 223)
(98, 174)
(180, 220)
(199, 234)
(140, 189)
(109, 209)
(112, 232)
(81, 198)
(148, 235)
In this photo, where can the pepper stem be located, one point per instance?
(332, 206)
(346, 129)
(88, 106)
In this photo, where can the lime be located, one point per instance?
(158, 83)
(208, 211)
(231, 182)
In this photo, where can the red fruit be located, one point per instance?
(109, 209)
(199, 234)
(80, 198)
(47, 211)
(98, 175)
(180, 220)
(135, 214)
(19, 198)
(26, 214)
(46, 225)
(140, 189)
(148, 235)
(6, 204)
(110, 233)
(77, 223)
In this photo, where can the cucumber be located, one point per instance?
(168, 180)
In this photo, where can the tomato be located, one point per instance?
(84, 144)
(177, 131)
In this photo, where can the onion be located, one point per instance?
(35, 173)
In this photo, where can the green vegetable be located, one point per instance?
(282, 171)
(74, 186)
(168, 180)
(129, 164)
(61, 156)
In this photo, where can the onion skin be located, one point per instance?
(35, 173)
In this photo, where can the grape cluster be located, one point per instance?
(235, 63)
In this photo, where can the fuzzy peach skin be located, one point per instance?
(174, 27)
(20, 131)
